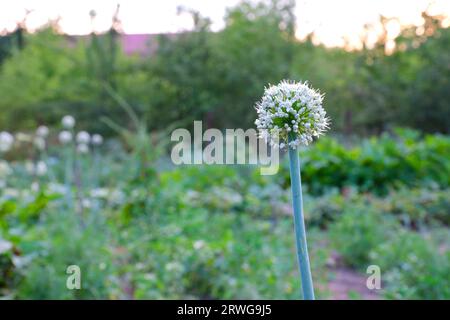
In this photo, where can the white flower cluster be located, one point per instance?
(39, 168)
(82, 138)
(291, 109)
(6, 141)
(42, 133)
(5, 169)
(68, 122)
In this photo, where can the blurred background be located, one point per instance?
(90, 92)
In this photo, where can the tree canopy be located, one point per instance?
(218, 76)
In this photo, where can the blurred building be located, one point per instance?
(141, 44)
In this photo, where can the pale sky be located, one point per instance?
(331, 20)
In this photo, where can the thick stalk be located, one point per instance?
(299, 223)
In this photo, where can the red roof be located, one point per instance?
(137, 43)
(143, 44)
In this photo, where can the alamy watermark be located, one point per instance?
(374, 280)
(233, 146)
(73, 281)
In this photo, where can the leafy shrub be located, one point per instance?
(322, 211)
(405, 246)
(193, 253)
(65, 243)
(200, 177)
(205, 231)
(8, 272)
(357, 232)
(416, 207)
(268, 200)
(414, 269)
(422, 280)
(376, 164)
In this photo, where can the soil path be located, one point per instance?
(347, 284)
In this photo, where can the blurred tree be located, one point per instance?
(334, 72)
(255, 48)
(184, 69)
(36, 79)
(13, 40)
(6, 46)
(428, 95)
(218, 76)
(54, 75)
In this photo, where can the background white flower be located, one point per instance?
(41, 168)
(83, 148)
(99, 193)
(29, 166)
(83, 137)
(86, 203)
(5, 169)
(65, 137)
(35, 186)
(23, 137)
(68, 122)
(6, 141)
(97, 139)
(39, 143)
(291, 108)
(42, 131)
(55, 187)
(199, 244)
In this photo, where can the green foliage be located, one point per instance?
(65, 244)
(51, 77)
(7, 44)
(217, 77)
(428, 97)
(139, 228)
(202, 231)
(42, 68)
(417, 207)
(415, 268)
(404, 248)
(376, 164)
(429, 280)
(357, 232)
(197, 255)
(8, 272)
(185, 72)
